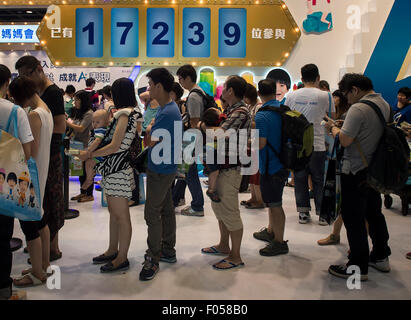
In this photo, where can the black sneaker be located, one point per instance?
(167, 258)
(264, 235)
(149, 270)
(104, 259)
(340, 271)
(274, 248)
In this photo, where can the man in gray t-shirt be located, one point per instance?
(187, 77)
(362, 130)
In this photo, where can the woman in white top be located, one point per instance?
(37, 233)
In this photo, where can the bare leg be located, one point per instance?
(337, 226)
(45, 246)
(310, 183)
(236, 237)
(258, 196)
(89, 166)
(35, 250)
(54, 245)
(253, 198)
(114, 230)
(277, 217)
(122, 215)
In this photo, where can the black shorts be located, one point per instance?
(272, 187)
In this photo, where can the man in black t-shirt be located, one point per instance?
(53, 202)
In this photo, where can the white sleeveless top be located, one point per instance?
(43, 154)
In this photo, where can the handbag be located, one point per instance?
(20, 187)
(140, 162)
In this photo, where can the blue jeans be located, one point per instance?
(316, 168)
(194, 185)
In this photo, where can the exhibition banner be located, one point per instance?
(226, 33)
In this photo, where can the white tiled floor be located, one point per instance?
(302, 274)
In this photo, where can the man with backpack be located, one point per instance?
(273, 173)
(195, 106)
(314, 105)
(360, 136)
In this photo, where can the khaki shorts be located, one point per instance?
(228, 211)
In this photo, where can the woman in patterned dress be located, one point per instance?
(118, 180)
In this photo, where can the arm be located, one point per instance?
(59, 124)
(111, 147)
(27, 149)
(262, 143)
(94, 145)
(35, 125)
(345, 140)
(144, 97)
(194, 122)
(76, 128)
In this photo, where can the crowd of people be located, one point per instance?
(108, 122)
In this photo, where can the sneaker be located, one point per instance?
(304, 217)
(264, 235)
(322, 222)
(330, 240)
(167, 258)
(274, 248)
(408, 255)
(341, 272)
(86, 198)
(382, 265)
(77, 197)
(188, 211)
(149, 269)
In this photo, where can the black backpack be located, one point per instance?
(208, 101)
(297, 138)
(388, 169)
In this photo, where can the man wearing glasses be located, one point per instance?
(53, 202)
(361, 132)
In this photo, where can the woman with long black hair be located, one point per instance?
(81, 125)
(118, 179)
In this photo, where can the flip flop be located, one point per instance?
(213, 251)
(35, 281)
(232, 265)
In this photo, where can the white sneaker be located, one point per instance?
(322, 222)
(381, 265)
(304, 217)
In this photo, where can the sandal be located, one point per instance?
(34, 281)
(255, 206)
(213, 196)
(28, 271)
(245, 202)
(232, 265)
(214, 251)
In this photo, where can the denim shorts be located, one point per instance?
(272, 187)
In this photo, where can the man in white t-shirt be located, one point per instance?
(7, 223)
(314, 104)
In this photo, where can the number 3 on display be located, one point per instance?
(196, 32)
(160, 32)
(124, 32)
